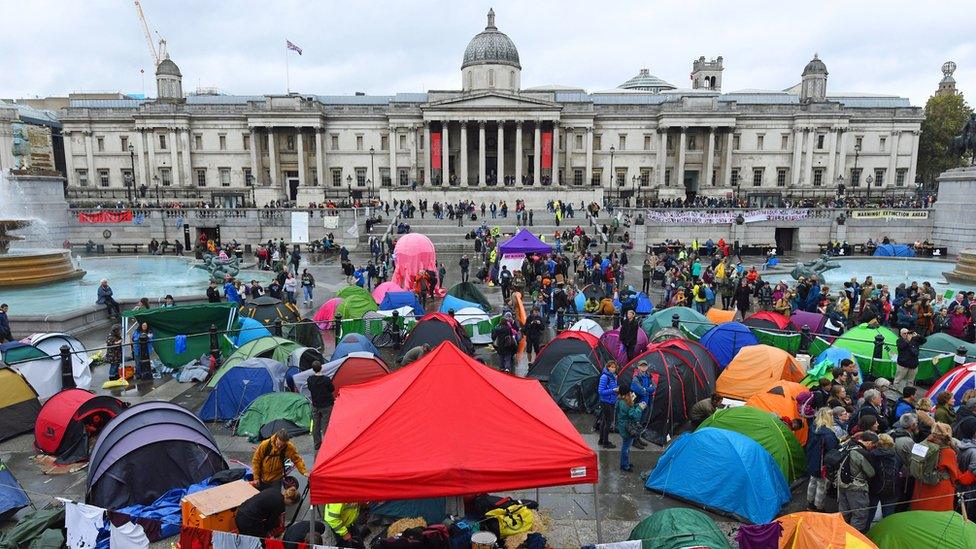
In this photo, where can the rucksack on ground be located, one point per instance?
(925, 468)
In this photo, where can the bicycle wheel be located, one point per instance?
(382, 339)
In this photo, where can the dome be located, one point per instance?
(491, 47)
(647, 82)
(168, 67)
(815, 66)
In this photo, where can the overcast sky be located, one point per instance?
(891, 46)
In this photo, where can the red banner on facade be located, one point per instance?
(546, 150)
(106, 217)
(435, 151)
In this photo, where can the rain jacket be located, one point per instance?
(641, 386)
(627, 415)
(608, 382)
(340, 516)
(268, 463)
(820, 441)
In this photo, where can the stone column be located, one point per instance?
(187, 165)
(841, 168)
(140, 151)
(727, 163)
(518, 152)
(680, 168)
(832, 147)
(272, 157)
(710, 159)
(445, 153)
(393, 141)
(554, 176)
(482, 167)
(150, 137)
(90, 160)
(568, 151)
(414, 160)
(69, 162)
(319, 156)
(588, 176)
(797, 155)
(913, 167)
(427, 166)
(500, 176)
(464, 153)
(302, 168)
(808, 167)
(662, 155)
(537, 152)
(893, 160)
(255, 167)
(174, 160)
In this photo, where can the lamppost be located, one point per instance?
(840, 186)
(156, 182)
(132, 167)
(613, 178)
(349, 187)
(634, 194)
(869, 180)
(857, 153)
(372, 174)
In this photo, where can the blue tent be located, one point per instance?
(725, 340)
(239, 386)
(894, 250)
(12, 496)
(835, 355)
(580, 301)
(351, 343)
(395, 300)
(722, 470)
(644, 305)
(456, 303)
(250, 329)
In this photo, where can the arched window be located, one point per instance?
(491, 78)
(511, 79)
(713, 82)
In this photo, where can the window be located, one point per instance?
(127, 178)
(692, 142)
(312, 144)
(879, 175)
(359, 142)
(577, 176)
(385, 143)
(385, 180)
(781, 177)
(858, 141)
(267, 177)
(759, 141)
(336, 177)
(784, 141)
(647, 142)
(856, 177)
(246, 139)
(421, 175)
(735, 141)
(596, 177)
(198, 142)
(124, 140)
(718, 145)
(667, 177)
(290, 143)
(166, 176)
(597, 142)
(162, 142)
(757, 177)
(82, 176)
(735, 177)
(313, 177)
(579, 142)
(403, 177)
(360, 177)
(334, 142)
(714, 177)
(403, 142)
(100, 144)
(201, 177)
(222, 138)
(900, 175)
(511, 79)
(820, 141)
(561, 144)
(491, 78)
(645, 177)
(103, 179)
(470, 80)
(882, 143)
(247, 177)
(623, 143)
(621, 176)
(818, 177)
(224, 177)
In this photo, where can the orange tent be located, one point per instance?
(719, 316)
(780, 398)
(754, 368)
(808, 530)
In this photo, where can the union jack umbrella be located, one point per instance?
(956, 381)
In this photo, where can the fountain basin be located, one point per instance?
(37, 267)
(894, 271)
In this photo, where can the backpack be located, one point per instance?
(511, 520)
(925, 468)
(886, 472)
(837, 463)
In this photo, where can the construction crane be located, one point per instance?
(158, 53)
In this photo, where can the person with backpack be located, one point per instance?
(821, 440)
(883, 487)
(607, 388)
(967, 459)
(854, 471)
(629, 410)
(533, 329)
(503, 337)
(905, 433)
(937, 473)
(269, 458)
(322, 393)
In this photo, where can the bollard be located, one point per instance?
(675, 321)
(214, 345)
(878, 346)
(337, 326)
(805, 338)
(142, 361)
(960, 357)
(67, 372)
(278, 330)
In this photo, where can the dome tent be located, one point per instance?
(354, 307)
(434, 328)
(450, 302)
(754, 368)
(942, 347)
(809, 530)
(691, 321)
(725, 340)
(240, 385)
(41, 370)
(956, 381)
(573, 384)
(771, 433)
(779, 398)
(860, 341)
(69, 418)
(18, 404)
(476, 323)
(249, 329)
(767, 320)
(588, 325)
(469, 292)
(12, 495)
(923, 530)
(565, 344)
(611, 342)
(678, 528)
(291, 407)
(267, 310)
(397, 300)
(278, 349)
(51, 343)
(380, 291)
(326, 313)
(352, 343)
(354, 368)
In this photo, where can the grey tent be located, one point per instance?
(469, 292)
(307, 333)
(573, 384)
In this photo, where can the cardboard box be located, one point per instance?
(215, 508)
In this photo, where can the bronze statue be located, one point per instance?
(961, 144)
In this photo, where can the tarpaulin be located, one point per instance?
(546, 150)
(123, 216)
(435, 151)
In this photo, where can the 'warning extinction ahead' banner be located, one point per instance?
(889, 214)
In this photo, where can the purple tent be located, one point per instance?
(611, 342)
(524, 243)
(815, 321)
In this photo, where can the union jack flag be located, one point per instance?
(291, 46)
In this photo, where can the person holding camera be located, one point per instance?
(908, 344)
(629, 412)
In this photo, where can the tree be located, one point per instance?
(945, 116)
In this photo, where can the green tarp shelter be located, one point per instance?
(942, 347)
(691, 321)
(38, 530)
(924, 530)
(469, 292)
(859, 340)
(275, 348)
(291, 406)
(771, 433)
(677, 528)
(355, 306)
(787, 342)
(193, 321)
(573, 384)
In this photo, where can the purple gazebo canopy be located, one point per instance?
(524, 242)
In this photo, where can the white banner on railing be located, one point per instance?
(698, 217)
(330, 222)
(299, 227)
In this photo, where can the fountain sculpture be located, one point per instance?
(965, 271)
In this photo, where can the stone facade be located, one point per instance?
(954, 225)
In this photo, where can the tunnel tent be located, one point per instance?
(894, 250)
(588, 325)
(156, 436)
(396, 300)
(923, 530)
(690, 319)
(766, 429)
(351, 343)
(468, 291)
(810, 530)
(860, 341)
(13, 498)
(524, 242)
(41, 370)
(754, 368)
(67, 421)
(278, 349)
(568, 343)
(679, 528)
(19, 405)
(573, 384)
(725, 340)
(723, 471)
(268, 407)
(192, 321)
(450, 302)
(240, 385)
(248, 330)
(51, 343)
(434, 328)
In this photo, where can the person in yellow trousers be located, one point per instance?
(342, 519)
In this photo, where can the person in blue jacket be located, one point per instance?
(643, 387)
(608, 400)
(906, 404)
(231, 293)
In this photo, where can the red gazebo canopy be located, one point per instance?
(446, 425)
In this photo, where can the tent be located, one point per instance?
(352, 343)
(414, 252)
(18, 404)
(240, 385)
(154, 437)
(611, 342)
(356, 367)
(823, 364)
(766, 429)
(269, 429)
(860, 341)
(39, 529)
(12, 495)
(326, 313)
(351, 290)
(754, 368)
(397, 299)
(679, 528)
(248, 330)
(51, 343)
(303, 357)
(683, 373)
(524, 242)
(573, 383)
(278, 349)
(356, 306)
(723, 471)
(565, 344)
(815, 321)
(719, 316)
(456, 303)
(193, 321)
(271, 406)
(956, 381)
(644, 304)
(809, 530)
(267, 310)
(894, 250)
(69, 418)
(725, 340)
(924, 530)
(469, 292)
(691, 320)
(41, 370)
(476, 323)
(305, 332)
(588, 325)
(767, 320)
(380, 291)
(780, 398)
(942, 347)
(370, 451)
(433, 328)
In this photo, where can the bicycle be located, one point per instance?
(391, 336)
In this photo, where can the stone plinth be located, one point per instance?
(965, 271)
(954, 224)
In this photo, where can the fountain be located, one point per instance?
(965, 271)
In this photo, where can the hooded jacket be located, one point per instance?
(608, 382)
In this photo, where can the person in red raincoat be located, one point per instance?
(941, 496)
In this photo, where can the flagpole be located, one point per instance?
(287, 83)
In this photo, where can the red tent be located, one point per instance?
(768, 320)
(358, 368)
(446, 425)
(69, 418)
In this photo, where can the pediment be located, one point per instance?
(492, 100)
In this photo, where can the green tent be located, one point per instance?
(691, 321)
(942, 347)
(924, 530)
(352, 290)
(860, 341)
(573, 383)
(679, 527)
(771, 433)
(355, 306)
(307, 333)
(193, 321)
(23, 353)
(275, 348)
(787, 342)
(469, 292)
(32, 531)
(291, 406)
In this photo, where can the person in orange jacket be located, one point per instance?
(941, 496)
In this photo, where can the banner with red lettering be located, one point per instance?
(435, 151)
(116, 216)
(546, 150)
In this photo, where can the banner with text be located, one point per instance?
(889, 214)
(106, 217)
(697, 217)
(546, 150)
(435, 151)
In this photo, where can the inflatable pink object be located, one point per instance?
(611, 342)
(413, 253)
(380, 291)
(326, 313)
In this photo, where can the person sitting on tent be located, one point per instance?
(415, 354)
(269, 458)
(591, 305)
(342, 518)
(607, 307)
(703, 409)
(261, 515)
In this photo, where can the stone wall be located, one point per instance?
(534, 197)
(954, 224)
